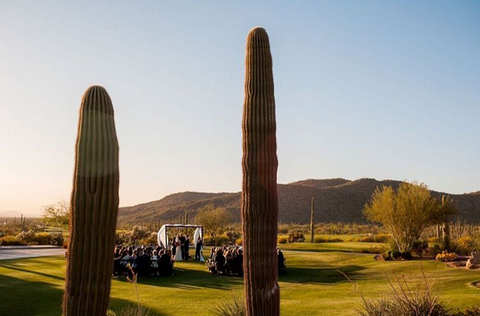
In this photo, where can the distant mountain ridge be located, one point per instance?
(336, 200)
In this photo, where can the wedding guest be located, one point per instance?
(198, 248)
(187, 248)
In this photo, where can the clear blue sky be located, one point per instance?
(380, 89)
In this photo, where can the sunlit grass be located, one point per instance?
(312, 286)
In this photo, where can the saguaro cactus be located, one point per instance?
(446, 203)
(94, 208)
(259, 190)
(312, 221)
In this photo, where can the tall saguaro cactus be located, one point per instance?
(259, 190)
(94, 208)
(312, 221)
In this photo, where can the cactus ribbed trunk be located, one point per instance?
(446, 226)
(94, 208)
(259, 191)
(312, 221)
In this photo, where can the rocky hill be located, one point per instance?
(336, 200)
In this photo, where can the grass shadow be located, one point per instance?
(322, 275)
(16, 268)
(190, 279)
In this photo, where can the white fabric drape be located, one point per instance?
(162, 237)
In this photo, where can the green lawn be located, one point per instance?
(313, 286)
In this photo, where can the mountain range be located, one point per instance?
(336, 200)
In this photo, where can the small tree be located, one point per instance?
(405, 213)
(56, 214)
(214, 219)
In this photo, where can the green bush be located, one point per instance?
(471, 311)
(216, 241)
(465, 245)
(397, 255)
(11, 241)
(230, 308)
(296, 237)
(56, 239)
(282, 240)
(382, 238)
(152, 239)
(322, 240)
(42, 238)
(420, 247)
(406, 299)
(27, 237)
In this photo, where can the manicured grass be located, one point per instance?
(312, 286)
(347, 246)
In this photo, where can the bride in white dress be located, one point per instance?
(178, 250)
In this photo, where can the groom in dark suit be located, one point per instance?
(182, 245)
(187, 248)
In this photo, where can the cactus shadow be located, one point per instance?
(21, 297)
(16, 268)
(191, 279)
(323, 275)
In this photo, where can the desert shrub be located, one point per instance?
(367, 239)
(465, 245)
(42, 238)
(11, 241)
(282, 240)
(283, 229)
(139, 232)
(435, 249)
(296, 237)
(230, 308)
(406, 300)
(419, 247)
(149, 240)
(447, 256)
(56, 239)
(27, 237)
(132, 310)
(382, 238)
(123, 237)
(471, 311)
(392, 255)
(433, 240)
(323, 240)
(216, 241)
(232, 235)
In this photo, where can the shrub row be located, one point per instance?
(32, 238)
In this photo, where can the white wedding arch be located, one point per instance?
(163, 237)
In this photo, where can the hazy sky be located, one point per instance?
(386, 90)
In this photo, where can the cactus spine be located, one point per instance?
(312, 221)
(94, 208)
(259, 189)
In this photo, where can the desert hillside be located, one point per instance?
(335, 200)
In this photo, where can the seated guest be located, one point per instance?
(117, 259)
(165, 264)
(239, 262)
(143, 263)
(219, 262)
